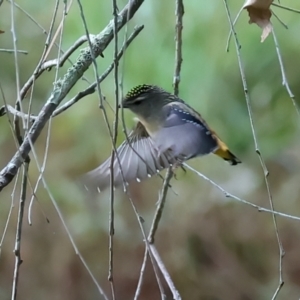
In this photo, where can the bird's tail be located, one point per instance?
(224, 153)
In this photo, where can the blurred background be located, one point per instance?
(214, 247)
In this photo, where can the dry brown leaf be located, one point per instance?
(260, 14)
(1, 31)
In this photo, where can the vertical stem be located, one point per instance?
(17, 249)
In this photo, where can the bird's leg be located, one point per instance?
(183, 168)
(176, 165)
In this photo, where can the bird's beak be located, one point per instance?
(122, 104)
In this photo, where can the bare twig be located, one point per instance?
(19, 114)
(230, 32)
(285, 82)
(279, 20)
(179, 11)
(67, 6)
(9, 213)
(42, 170)
(160, 205)
(48, 39)
(229, 195)
(17, 135)
(164, 271)
(154, 226)
(17, 249)
(114, 140)
(286, 8)
(14, 36)
(59, 52)
(13, 51)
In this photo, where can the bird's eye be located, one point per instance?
(137, 102)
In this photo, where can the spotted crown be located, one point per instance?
(138, 90)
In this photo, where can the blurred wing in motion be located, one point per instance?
(139, 159)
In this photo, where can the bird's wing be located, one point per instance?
(184, 133)
(138, 157)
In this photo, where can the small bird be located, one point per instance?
(168, 133)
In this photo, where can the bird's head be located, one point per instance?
(146, 99)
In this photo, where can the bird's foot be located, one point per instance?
(176, 165)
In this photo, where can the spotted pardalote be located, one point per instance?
(168, 132)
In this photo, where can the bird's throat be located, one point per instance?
(152, 126)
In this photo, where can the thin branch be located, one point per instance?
(17, 134)
(160, 205)
(114, 140)
(9, 213)
(67, 7)
(230, 32)
(179, 12)
(13, 51)
(59, 52)
(17, 249)
(48, 40)
(42, 170)
(279, 20)
(14, 36)
(19, 114)
(141, 278)
(164, 271)
(229, 195)
(285, 82)
(286, 8)
(154, 226)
